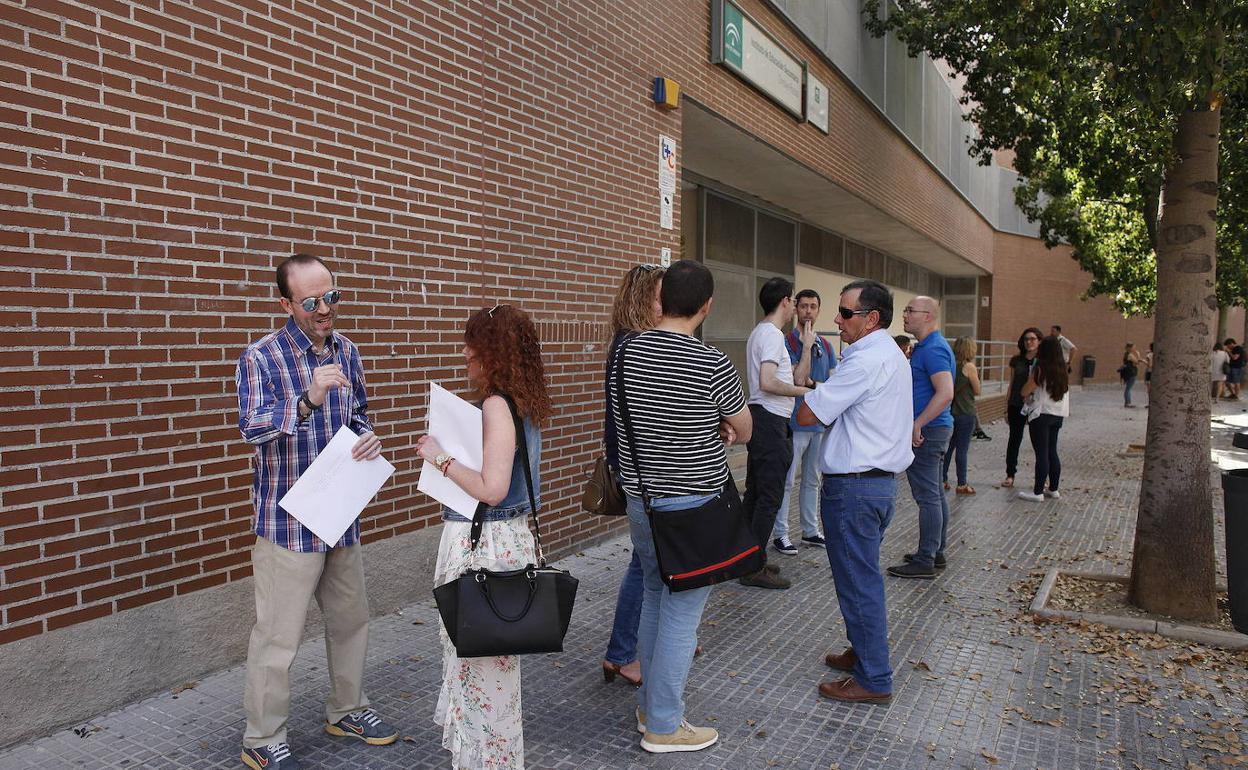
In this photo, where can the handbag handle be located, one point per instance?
(484, 585)
(522, 444)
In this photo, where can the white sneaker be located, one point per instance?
(1053, 494)
(1022, 495)
(686, 738)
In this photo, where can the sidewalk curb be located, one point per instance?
(1226, 640)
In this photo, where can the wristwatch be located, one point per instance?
(441, 460)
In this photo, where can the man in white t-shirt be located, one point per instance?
(1068, 347)
(771, 377)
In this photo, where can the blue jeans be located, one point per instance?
(668, 631)
(960, 444)
(925, 485)
(1128, 384)
(806, 445)
(622, 647)
(855, 514)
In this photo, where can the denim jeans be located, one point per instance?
(925, 485)
(856, 511)
(806, 444)
(622, 648)
(959, 446)
(766, 468)
(1044, 429)
(1128, 384)
(668, 631)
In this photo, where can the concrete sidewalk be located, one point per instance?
(978, 684)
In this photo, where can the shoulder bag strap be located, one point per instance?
(626, 417)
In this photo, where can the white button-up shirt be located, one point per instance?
(868, 396)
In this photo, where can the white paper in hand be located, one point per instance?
(333, 491)
(456, 424)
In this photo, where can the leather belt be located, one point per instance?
(861, 474)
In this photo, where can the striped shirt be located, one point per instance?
(271, 375)
(679, 389)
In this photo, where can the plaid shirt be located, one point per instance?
(271, 375)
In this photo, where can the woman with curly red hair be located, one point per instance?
(479, 704)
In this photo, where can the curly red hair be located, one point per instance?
(507, 347)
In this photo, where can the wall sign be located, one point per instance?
(756, 57)
(816, 103)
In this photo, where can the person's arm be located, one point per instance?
(262, 414)
(1031, 384)
(367, 446)
(801, 367)
(490, 484)
(828, 400)
(972, 374)
(740, 425)
(770, 383)
(942, 383)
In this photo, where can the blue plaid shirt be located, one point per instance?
(271, 375)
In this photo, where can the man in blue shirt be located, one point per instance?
(931, 369)
(296, 387)
(804, 346)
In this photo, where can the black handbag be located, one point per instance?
(514, 612)
(699, 546)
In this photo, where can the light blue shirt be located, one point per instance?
(868, 395)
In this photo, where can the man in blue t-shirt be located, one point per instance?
(931, 370)
(804, 345)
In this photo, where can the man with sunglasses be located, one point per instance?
(296, 387)
(864, 407)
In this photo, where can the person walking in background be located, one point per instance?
(1046, 392)
(1235, 368)
(868, 442)
(637, 307)
(683, 396)
(1219, 365)
(931, 369)
(479, 703)
(297, 387)
(1020, 370)
(805, 437)
(965, 388)
(771, 377)
(1129, 371)
(903, 342)
(1068, 347)
(1148, 371)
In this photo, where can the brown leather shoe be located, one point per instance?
(764, 579)
(851, 692)
(842, 662)
(772, 568)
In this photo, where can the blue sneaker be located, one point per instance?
(275, 756)
(365, 726)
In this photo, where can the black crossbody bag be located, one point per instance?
(699, 546)
(513, 612)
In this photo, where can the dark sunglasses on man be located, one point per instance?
(847, 314)
(330, 298)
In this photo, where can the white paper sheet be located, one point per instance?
(334, 489)
(456, 424)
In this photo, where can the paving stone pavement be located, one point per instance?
(977, 684)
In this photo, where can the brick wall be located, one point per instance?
(157, 157)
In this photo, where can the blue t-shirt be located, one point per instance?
(930, 356)
(822, 362)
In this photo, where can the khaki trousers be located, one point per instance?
(285, 583)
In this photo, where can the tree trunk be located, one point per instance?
(1172, 572)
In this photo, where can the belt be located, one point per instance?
(860, 475)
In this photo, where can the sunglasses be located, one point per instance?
(330, 298)
(847, 314)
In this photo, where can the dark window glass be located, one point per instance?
(729, 232)
(776, 241)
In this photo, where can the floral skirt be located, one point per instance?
(479, 705)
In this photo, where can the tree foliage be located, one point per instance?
(1087, 94)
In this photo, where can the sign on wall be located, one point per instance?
(756, 57)
(816, 103)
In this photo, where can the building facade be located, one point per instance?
(158, 159)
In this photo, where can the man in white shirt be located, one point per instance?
(1068, 347)
(867, 403)
(771, 377)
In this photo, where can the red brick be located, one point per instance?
(109, 590)
(79, 616)
(42, 607)
(71, 580)
(130, 602)
(20, 632)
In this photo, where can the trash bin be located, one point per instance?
(1089, 368)
(1235, 502)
